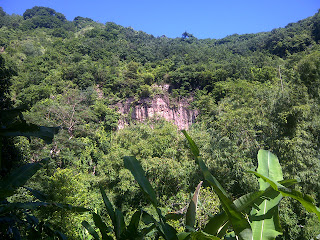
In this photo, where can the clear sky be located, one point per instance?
(202, 18)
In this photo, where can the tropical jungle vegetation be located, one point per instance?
(68, 171)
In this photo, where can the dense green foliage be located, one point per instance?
(16, 217)
(253, 91)
(262, 222)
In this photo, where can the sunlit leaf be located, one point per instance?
(218, 222)
(265, 217)
(304, 199)
(269, 166)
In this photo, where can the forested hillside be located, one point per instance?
(252, 91)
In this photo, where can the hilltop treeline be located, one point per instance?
(253, 91)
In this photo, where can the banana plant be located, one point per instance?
(265, 221)
(306, 201)
(252, 216)
(190, 220)
(260, 207)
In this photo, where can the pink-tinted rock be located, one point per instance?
(158, 107)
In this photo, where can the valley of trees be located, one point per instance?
(252, 91)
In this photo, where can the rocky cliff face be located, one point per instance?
(157, 107)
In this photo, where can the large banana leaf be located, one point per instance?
(269, 166)
(265, 219)
(108, 206)
(71, 208)
(195, 151)
(196, 236)
(164, 229)
(202, 236)
(245, 203)
(174, 215)
(304, 199)
(121, 226)
(193, 146)
(31, 130)
(190, 214)
(216, 224)
(37, 194)
(8, 207)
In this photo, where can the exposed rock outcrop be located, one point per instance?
(157, 107)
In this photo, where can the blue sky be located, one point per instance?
(202, 18)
